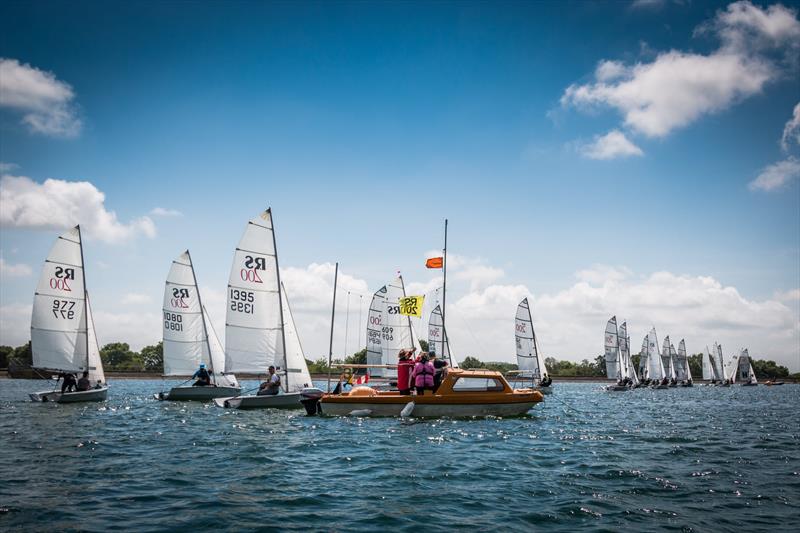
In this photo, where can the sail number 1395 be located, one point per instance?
(242, 301)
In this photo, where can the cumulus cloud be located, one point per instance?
(15, 324)
(777, 175)
(677, 88)
(135, 298)
(138, 329)
(788, 296)
(165, 212)
(14, 270)
(7, 167)
(791, 131)
(612, 145)
(46, 103)
(58, 204)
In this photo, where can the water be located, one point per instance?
(683, 459)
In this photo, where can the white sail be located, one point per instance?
(716, 364)
(721, 362)
(437, 338)
(253, 336)
(59, 332)
(643, 364)
(666, 359)
(297, 374)
(656, 363)
(529, 360)
(708, 366)
(95, 363)
(375, 331)
(625, 354)
(743, 370)
(217, 356)
(612, 349)
(684, 357)
(678, 365)
(185, 339)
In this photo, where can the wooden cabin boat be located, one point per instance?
(463, 393)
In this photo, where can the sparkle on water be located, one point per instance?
(699, 459)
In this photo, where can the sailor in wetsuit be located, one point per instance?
(69, 382)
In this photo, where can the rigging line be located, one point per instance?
(346, 323)
(470, 330)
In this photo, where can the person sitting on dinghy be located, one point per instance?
(98, 385)
(423, 375)
(203, 377)
(84, 383)
(404, 368)
(69, 382)
(440, 368)
(272, 386)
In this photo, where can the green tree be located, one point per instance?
(23, 354)
(358, 358)
(636, 359)
(118, 356)
(424, 345)
(471, 362)
(5, 354)
(769, 369)
(696, 365)
(152, 358)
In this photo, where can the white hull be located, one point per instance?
(197, 394)
(544, 390)
(617, 388)
(426, 410)
(91, 395)
(276, 401)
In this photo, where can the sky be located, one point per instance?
(633, 159)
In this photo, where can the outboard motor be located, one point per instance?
(310, 401)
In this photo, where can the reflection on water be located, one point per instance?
(705, 458)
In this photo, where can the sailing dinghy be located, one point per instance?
(388, 331)
(711, 370)
(683, 364)
(655, 369)
(190, 339)
(612, 355)
(742, 370)
(628, 371)
(529, 357)
(260, 331)
(63, 337)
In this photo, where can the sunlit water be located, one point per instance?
(685, 459)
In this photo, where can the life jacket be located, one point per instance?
(423, 374)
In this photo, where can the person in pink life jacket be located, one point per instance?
(423, 375)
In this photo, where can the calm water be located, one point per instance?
(684, 459)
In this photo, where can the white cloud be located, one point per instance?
(776, 175)
(677, 88)
(46, 102)
(612, 145)
(7, 167)
(15, 324)
(135, 298)
(136, 328)
(58, 204)
(569, 323)
(165, 212)
(791, 131)
(788, 296)
(13, 271)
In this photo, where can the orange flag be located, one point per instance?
(434, 262)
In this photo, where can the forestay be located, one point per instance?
(438, 342)
(529, 358)
(253, 333)
(95, 363)
(612, 350)
(59, 320)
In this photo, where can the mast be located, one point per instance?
(85, 295)
(333, 315)
(202, 318)
(408, 317)
(444, 274)
(280, 303)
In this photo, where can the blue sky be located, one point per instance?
(365, 125)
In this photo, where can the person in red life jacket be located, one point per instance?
(423, 375)
(404, 368)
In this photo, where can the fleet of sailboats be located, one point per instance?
(530, 360)
(388, 331)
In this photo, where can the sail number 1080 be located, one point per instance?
(242, 301)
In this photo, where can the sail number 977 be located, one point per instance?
(242, 301)
(63, 309)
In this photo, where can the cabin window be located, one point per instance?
(478, 385)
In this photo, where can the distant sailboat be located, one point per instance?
(63, 337)
(709, 365)
(724, 366)
(628, 370)
(614, 364)
(644, 370)
(742, 371)
(260, 330)
(668, 361)
(530, 360)
(189, 338)
(388, 331)
(656, 371)
(683, 364)
(438, 342)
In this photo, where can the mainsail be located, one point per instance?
(743, 371)
(678, 369)
(613, 370)
(625, 354)
(666, 359)
(709, 370)
(684, 360)
(529, 357)
(655, 362)
(438, 342)
(189, 339)
(388, 331)
(644, 371)
(720, 362)
(62, 329)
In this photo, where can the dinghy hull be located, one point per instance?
(92, 395)
(277, 401)
(197, 394)
(617, 388)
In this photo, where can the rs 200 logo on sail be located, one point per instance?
(250, 269)
(61, 278)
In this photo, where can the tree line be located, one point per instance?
(118, 357)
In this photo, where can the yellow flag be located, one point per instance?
(411, 306)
